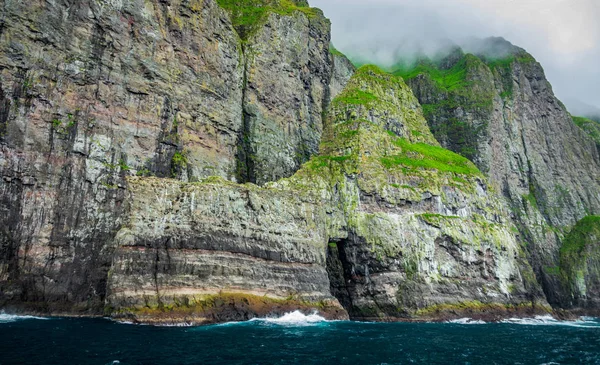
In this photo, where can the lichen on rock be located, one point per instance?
(204, 161)
(381, 240)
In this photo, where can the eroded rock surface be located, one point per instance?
(129, 131)
(283, 115)
(95, 91)
(498, 109)
(383, 221)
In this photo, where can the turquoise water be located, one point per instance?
(298, 339)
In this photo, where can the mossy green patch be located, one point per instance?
(334, 51)
(585, 232)
(202, 308)
(590, 127)
(64, 127)
(508, 61)
(580, 258)
(476, 307)
(179, 162)
(356, 97)
(435, 219)
(421, 155)
(248, 15)
(447, 79)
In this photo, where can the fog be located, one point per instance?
(563, 35)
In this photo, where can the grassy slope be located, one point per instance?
(410, 156)
(425, 156)
(448, 80)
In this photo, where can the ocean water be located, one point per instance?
(299, 339)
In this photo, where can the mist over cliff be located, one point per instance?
(564, 36)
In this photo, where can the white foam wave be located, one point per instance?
(131, 323)
(547, 320)
(8, 318)
(466, 321)
(295, 318)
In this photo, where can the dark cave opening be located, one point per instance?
(338, 270)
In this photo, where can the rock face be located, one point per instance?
(283, 115)
(343, 70)
(95, 91)
(186, 161)
(383, 221)
(499, 110)
(186, 247)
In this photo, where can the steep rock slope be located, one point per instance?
(288, 69)
(343, 69)
(499, 110)
(423, 233)
(383, 222)
(94, 91)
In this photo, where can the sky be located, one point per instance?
(563, 35)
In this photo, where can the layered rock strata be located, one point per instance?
(92, 92)
(201, 161)
(383, 221)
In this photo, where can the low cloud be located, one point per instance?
(563, 35)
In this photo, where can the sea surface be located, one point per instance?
(299, 339)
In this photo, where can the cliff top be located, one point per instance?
(248, 15)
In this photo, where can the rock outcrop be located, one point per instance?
(94, 91)
(343, 69)
(217, 251)
(383, 223)
(498, 109)
(422, 233)
(288, 69)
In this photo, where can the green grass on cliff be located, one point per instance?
(579, 248)
(334, 51)
(356, 97)
(591, 127)
(586, 231)
(248, 15)
(505, 62)
(451, 79)
(425, 156)
(376, 78)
